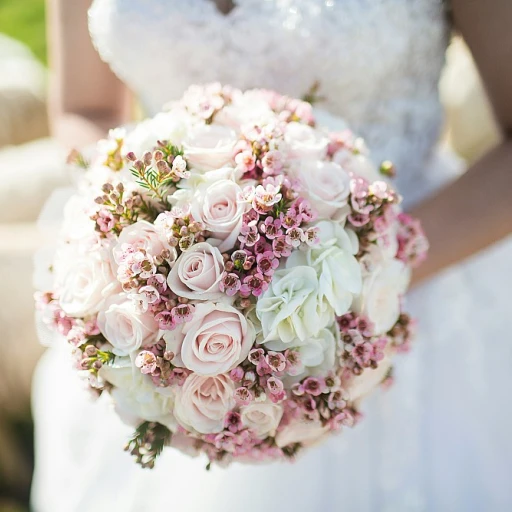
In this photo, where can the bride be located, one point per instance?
(440, 438)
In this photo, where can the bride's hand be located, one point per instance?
(476, 210)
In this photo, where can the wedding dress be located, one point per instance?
(439, 439)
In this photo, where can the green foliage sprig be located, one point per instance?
(147, 443)
(155, 172)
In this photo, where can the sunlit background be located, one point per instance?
(31, 165)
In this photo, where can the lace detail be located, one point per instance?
(378, 61)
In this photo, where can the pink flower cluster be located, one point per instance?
(276, 224)
(263, 373)
(156, 362)
(359, 348)
(289, 109)
(412, 242)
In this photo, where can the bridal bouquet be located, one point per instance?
(232, 274)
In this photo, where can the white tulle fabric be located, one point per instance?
(439, 440)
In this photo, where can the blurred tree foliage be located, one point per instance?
(24, 20)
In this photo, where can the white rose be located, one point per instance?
(218, 207)
(263, 418)
(164, 126)
(84, 281)
(305, 142)
(124, 326)
(77, 223)
(197, 273)
(203, 402)
(209, 147)
(326, 185)
(382, 292)
(301, 431)
(248, 107)
(338, 271)
(317, 354)
(142, 235)
(358, 163)
(136, 397)
(216, 340)
(291, 307)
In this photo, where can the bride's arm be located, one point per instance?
(86, 98)
(476, 210)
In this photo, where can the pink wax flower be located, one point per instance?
(230, 284)
(272, 162)
(271, 227)
(265, 198)
(267, 263)
(245, 161)
(146, 361)
(243, 396)
(182, 313)
(281, 247)
(254, 284)
(165, 320)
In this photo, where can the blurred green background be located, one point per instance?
(24, 20)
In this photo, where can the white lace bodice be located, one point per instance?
(377, 61)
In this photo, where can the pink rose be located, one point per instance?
(203, 402)
(305, 142)
(325, 184)
(209, 147)
(216, 340)
(124, 326)
(218, 207)
(142, 235)
(197, 273)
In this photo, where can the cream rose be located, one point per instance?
(84, 281)
(362, 385)
(382, 292)
(216, 339)
(291, 308)
(197, 273)
(326, 185)
(263, 418)
(300, 431)
(338, 271)
(209, 147)
(305, 142)
(142, 235)
(203, 402)
(218, 207)
(124, 326)
(135, 396)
